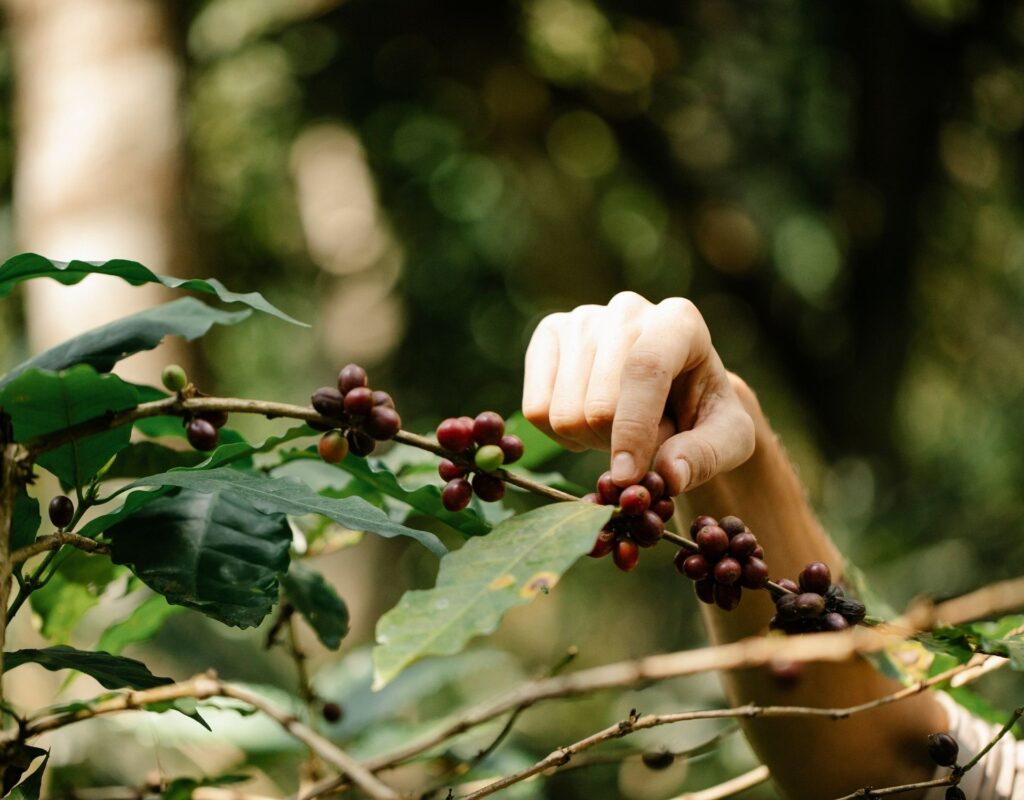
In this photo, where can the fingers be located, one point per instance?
(540, 372)
(578, 336)
(674, 339)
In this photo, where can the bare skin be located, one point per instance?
(645, 382)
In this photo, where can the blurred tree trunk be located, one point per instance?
(99, 158)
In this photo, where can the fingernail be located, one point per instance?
(623, 467)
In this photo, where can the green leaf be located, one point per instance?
(144, 622)
(538, 448)
(30, 788)
(211, 551)
(477, 584)
(145, 458)
(41, 402)
(316, 600)
(112, 672)
(132, 503)
(275, 495)
(77, 583)
(26, 520)
(103, 347)
(29, 265)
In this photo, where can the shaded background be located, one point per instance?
(836, 185)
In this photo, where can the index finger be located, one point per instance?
(674, 339)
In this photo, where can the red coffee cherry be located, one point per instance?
(943, 749)
(449, 470)
(608, 490)
(727, 597)
(727, 571)
(512, 447)
(626, 555)
(732, 525)
(701, 522)
(488, 428)
(694, 567)
(455, 434)
(217, 419)
(834, 622)
(712, 541)
(654, 484)
(383, 422)
(328, 402)
(201, 434)
(456, 494)
(742, 545)
(358, 401)
(488, 488)
(352, 376)
(647, 529)
(788, 585)
(332, 447)
(359, 443)
(382, 399)
(62, 510)
(603, 544)
(755, 574)
(816, 577)
(785, 673)
(705, 590)
(593, 497)
(634, 500)
(809, 604)
(664, 508)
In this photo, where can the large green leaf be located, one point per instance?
(145, 458)
(112, 672)
(141, 625)
(211, 551)
(76, 586)
(103, 347)
(276, 495)
(29, 265)
(41, 402)
(26, 520)
(132, 503)
(522, 557)
(316, 600)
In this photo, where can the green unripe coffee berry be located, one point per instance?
(489, 457)
(174, 378)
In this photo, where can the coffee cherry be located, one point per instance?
(742, 545)
(488, 488)
(351, 377)
(852, 610)
(943, 749)
(626, 555)
(489, 457)
(333, 447)
(634, 500)
(383, 422)
(455, 434)
(608, 490)
(361, 444)
(732, 525)
(647, 529)
(659, 760)
(332, 712)
(488, 428)
(217, 419)
(785, 673)
(603, 544)
(727, 571)
(61, 511)
(456, 494)
(694, 567)
(449, 470)
(816, 577)
(593, 497)
(664, 508)
(174, 378)
(705, 590)
(712, 541)
(834, 622)
(701, 522)
(201, 434)
(788, 585)
(758, 552)
(955, 793)
(382, 399)
(755, 574)
(727, 597)
(358, 401)
(809, 604)
(512, 447)
(655, 484)
(328, 402)
(785, 607)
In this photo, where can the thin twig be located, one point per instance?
(55, 540)
(731, 787)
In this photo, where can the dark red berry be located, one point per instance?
(955, 793)
(809, 604)
(332, 447)
(217, 419)
(626, 555)
(784, 672)
(383, 399)
(658, 760)
(712, 541)
(383, 422)
(785, 606)
(727, 571)
(456, 494)
(603, 544)
(705, 590)
(789, 585)
(943, 749)
(449, 470)
(634, 500)
(758, 552)
(359, 443)
(755, 574)
(834, 622)
(608, 490)
(488, 428)
(816, 577)
(647, 529)
(201, 434)
(358, 401)
(328, 401)
(488, 488)
(512, 447)
(732, 525)
(742, 545)
(61, 511)
(352, 376)
(455, 434)
(655, 484)
(852, 610)
(695, 567)
(593, 497)
(727, 597)
(701, 522)
(664, 508)
(332, 712)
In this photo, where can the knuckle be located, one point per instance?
(627, 300)
(599, 414)
(645, 364)
(536, 413)
(567, 423)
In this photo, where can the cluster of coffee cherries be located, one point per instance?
(814, 603)
(483, 443)
(944, 751)
(730, 560)
(360, 416)
(203, 428)
(643, 510)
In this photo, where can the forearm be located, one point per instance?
(809, 758)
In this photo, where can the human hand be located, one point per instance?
(642, 380)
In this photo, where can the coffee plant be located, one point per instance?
(158, 489)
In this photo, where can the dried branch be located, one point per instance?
(733, 786)
(56, 540)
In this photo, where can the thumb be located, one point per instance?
(718, 444)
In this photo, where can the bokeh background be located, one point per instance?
(836, 185)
